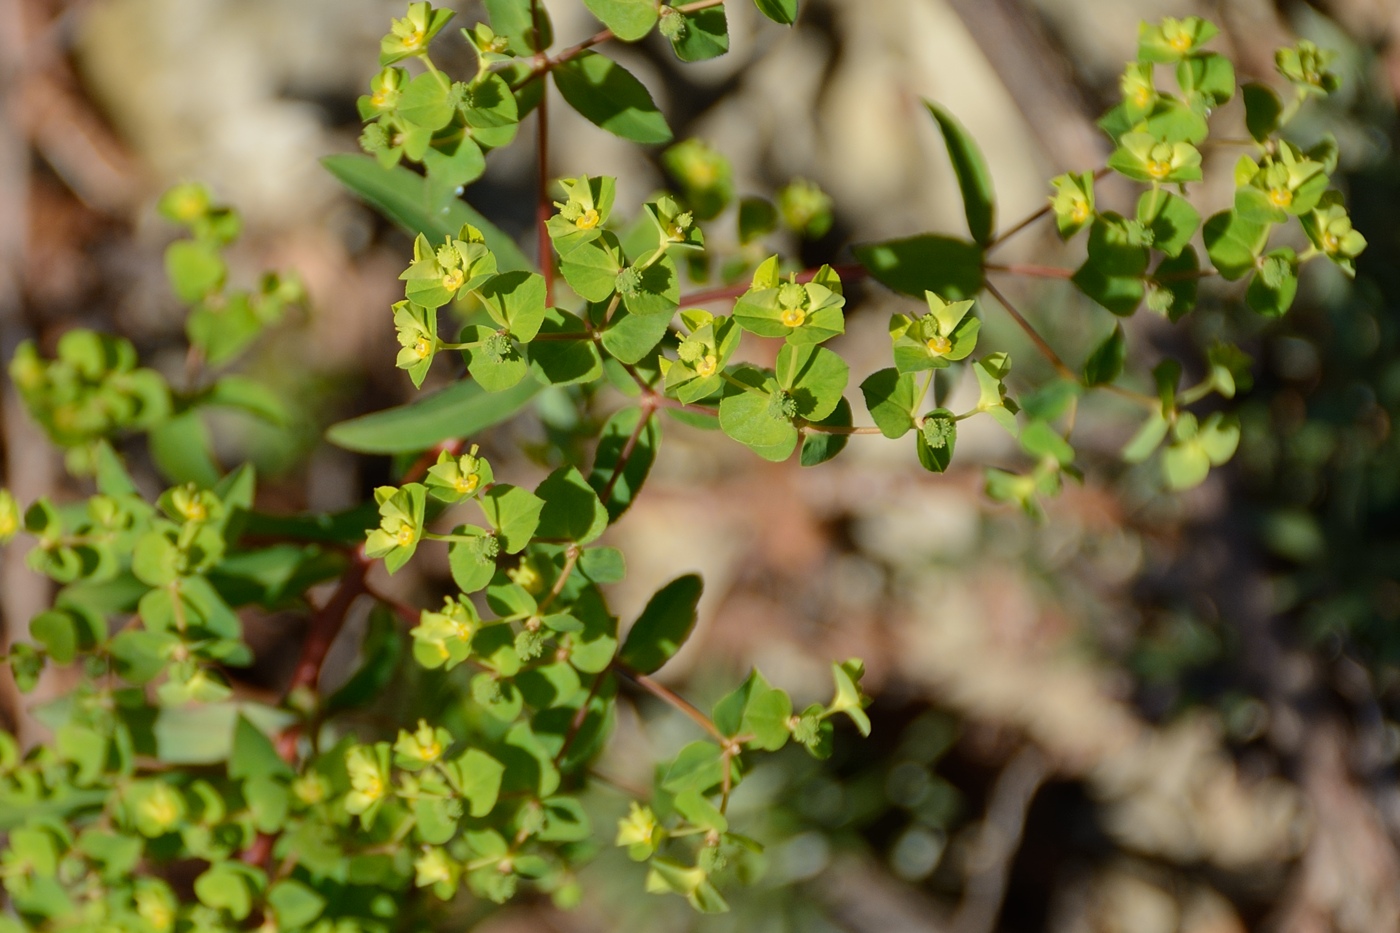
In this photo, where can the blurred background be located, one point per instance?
(1145, 713)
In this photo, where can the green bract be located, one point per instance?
(1143, 157)
(944, 335)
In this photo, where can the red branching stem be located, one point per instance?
(667, 695)
(648, 408)
(327, 622)
(1046, 351)
(543, 207)
(849, 272)
(1031, 271)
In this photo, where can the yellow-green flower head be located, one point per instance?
(1139, 91)
(191, 504)
(409, 37)
(1072, 202)
(527, 577)
(1330, 230)
(1306, 66)
(156, 808)
(310, 789)
(1290, 180)
(639, 831)
(368, 768)
(385, 89)
(445, 638)
(423, 747)
(452, 479)
(155, 904)
(1143, 157)
(805, 208)
(415, 329)
(793, 302)
(434, 866)
(401, 515)
(1173, 39)
(10, 522)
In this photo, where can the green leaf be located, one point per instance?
(757, 709)
(706, 35)
(58, 633)
(228, 886)
(1174, 284)
(608, 95)
(760, 418)
(180, 448)
(663, 626)
(495, 361)
(460, 410)
(194, 268)
(891, 398)
(425, 102)
(402, 196)
(629, 20)
(1262, 110)
(294, 904)
(246, 395)
(1172, 223)
(477, 777)
(472, 563)
(948, 267)
(658, 292)
(815, 376)
(517, 20)
(615, 438)
(936, 439)
(1106, 362)
(514, 513)
(1119, 294)
(1233, 243)
(254, 755)
(698, 767)
(451, 168)
(592, 266)
(783, 12)
(819, 446)
(567, 361)
(975, 182)
(571, 508)
(515, 300)
(630, 337)
(1274, 285)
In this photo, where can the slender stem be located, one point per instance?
(836, 428)
(580, 717)
(326, 624)
(666, 694)
(543, 205)
(1147, 401)
(847, 271)
(928, 383)
(648, 408)
(1030, 270)
(571, 556)
(1060, 366)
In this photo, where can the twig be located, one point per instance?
(1031, 271)
(1060, 366)
(580, 717)
(668, 695)
(648, 408)
(838, 429)
(998, 840)
(570, 561)
(543, 206)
